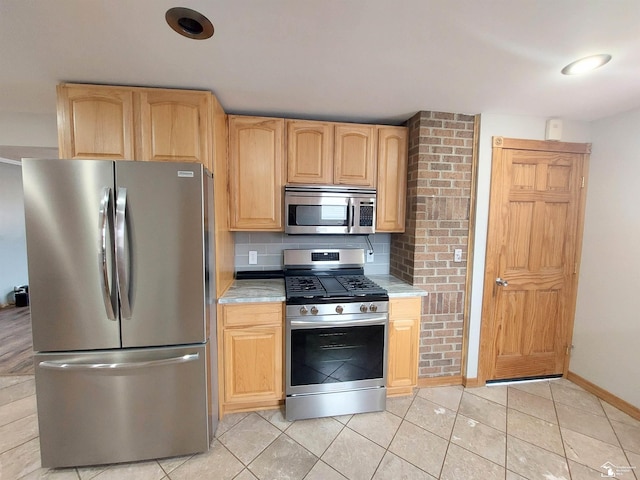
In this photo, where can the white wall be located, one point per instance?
(532, 128)
(13, 248)
(28, 130)
(607, 324)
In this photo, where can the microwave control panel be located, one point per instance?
(366, 215)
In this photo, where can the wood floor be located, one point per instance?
(16, 347)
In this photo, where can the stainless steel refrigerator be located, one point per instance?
(121, 273)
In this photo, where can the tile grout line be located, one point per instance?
(446, 451)
(624, 451)
(386, 450)
(564, 448)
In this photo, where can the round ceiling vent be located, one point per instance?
(189, 23)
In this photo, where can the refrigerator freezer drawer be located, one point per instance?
(121, 406)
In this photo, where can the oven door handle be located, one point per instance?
(377, 320)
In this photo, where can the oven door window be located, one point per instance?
(318, 215)
(334, 355)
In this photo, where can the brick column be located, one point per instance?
(437, 222)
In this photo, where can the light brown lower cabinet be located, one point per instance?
(250, 355)
(404, 334)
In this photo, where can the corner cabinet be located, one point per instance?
(134, 123)
(251, 356)
(256, 173)
(392, 179)
(404, 335)
(174, 126)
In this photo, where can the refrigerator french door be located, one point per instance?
(121, 259)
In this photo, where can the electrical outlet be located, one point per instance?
(457, 255)
(253, 257)
(369, 256)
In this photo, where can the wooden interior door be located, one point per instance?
(533, 248)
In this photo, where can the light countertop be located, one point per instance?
(272, 290)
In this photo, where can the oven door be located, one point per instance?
(324, 354)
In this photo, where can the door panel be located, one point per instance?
(165, 277)
(135, 405)
(63, 201)
(174, 125)
(95, 121)
(532, 251)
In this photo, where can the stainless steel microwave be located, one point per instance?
(329, 209)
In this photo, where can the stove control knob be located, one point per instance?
(303, 310)
(373, 307)
(363, 308)
(314, 310)
(339, 309)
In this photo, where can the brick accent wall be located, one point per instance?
(437, 222)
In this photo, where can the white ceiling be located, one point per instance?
(358, 60)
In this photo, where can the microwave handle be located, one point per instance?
(350, 216)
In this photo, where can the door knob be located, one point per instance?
(501, 282)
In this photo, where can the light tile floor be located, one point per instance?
(546, 430)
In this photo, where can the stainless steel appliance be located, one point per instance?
(121, 261)
(336, 335)
(329, 210)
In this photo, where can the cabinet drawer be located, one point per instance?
(250, 314)
(405, 307)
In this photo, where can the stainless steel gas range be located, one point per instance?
(336, 335)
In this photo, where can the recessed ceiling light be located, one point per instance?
(189, 23)
(586, 64)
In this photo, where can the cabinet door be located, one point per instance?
(95, 122)
(256, 173)
(354, 161)
(392, 179)
(309, 152)
(253, 364)
(404, 328)
(174, 126)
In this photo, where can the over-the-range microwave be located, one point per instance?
(329, 209)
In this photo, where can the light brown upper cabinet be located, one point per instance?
(95, 122)
(354, 155)
(256, 173)
(392, 179)
(134, 123)
(174, 125)
(330, 153)
(309, 152)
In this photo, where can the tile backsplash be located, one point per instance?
(270, 246)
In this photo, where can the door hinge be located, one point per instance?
(582, 184)
(569, 348)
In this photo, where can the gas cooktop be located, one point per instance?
(329, 276)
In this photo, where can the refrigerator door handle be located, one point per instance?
(104, 231)
(61, 365)
(121, 240)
